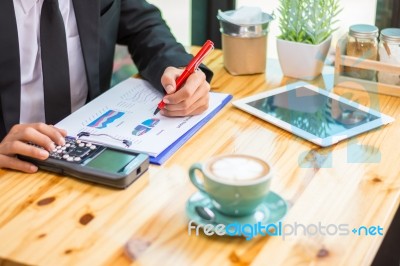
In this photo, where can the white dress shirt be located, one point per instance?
(27, 13)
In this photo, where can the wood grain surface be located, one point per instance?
(48, 219)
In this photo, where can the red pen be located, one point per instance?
(190, 68)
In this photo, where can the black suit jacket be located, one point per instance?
(101, 24)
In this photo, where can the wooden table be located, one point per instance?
(48, 219)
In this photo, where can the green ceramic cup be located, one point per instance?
(236, 183)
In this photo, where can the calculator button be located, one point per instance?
(59, 151)
(78, 141)
(65, 156)
(88, 144)
(63, 148)
(81, 144)
(70, 159)
(79, 152)
(93, 147)
(58, 147)
(55, 150)
(77, 159)
(68, 145)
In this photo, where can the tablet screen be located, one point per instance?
(312, 112)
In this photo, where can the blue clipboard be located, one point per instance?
(163, 156)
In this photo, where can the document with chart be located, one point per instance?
(122, 117)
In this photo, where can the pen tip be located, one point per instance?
(156, 111)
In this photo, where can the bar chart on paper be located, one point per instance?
(124, 114)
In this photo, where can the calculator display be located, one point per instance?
(93, 162)
(111, 161)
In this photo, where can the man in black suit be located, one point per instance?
(97, 25)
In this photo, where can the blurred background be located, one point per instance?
(194, 21)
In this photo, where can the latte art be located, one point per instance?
(236, 183)
(238, 168)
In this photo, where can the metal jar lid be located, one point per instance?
(390, 35)
(363, 31)
(245, 30)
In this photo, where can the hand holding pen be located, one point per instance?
(188, 94)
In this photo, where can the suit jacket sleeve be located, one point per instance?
(150, 42)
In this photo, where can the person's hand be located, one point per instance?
(191, 99)
(15, 142)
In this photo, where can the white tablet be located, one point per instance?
(314, 114)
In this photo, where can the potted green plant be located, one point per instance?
(306, 32)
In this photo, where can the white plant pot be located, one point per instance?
(301, 60)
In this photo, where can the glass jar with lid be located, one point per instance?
(389, 52)
(362, 42)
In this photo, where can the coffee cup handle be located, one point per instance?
(194, 178)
